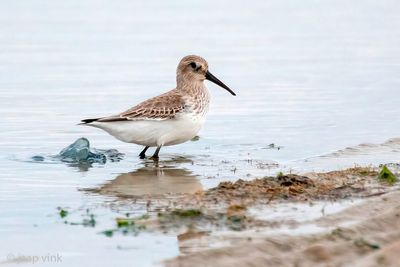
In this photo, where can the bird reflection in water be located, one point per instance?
(152, 179)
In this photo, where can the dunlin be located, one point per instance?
(170, 118)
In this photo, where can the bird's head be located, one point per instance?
(193, 69)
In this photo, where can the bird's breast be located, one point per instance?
(197, 104)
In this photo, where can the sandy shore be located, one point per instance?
(371, 237)
(365, 233)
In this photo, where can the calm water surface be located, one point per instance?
(310, 77)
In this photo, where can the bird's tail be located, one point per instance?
(104, 119)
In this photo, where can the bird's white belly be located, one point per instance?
(155, 133)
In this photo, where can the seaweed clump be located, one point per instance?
(387, 176)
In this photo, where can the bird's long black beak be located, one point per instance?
(215, 80)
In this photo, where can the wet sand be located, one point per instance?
(366, 234)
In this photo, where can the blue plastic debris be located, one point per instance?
(80, 152)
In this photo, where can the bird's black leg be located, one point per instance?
(155, 155)
(142, 154)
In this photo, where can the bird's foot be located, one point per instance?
(154, 158)
(142, 154)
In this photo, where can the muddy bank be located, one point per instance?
(357, 182)
(363, 233)
(367, 234)
(351, 182)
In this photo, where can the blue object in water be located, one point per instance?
(80, 152)
(77, 151)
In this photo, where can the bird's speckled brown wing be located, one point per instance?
(162, 107)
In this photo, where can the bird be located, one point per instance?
(168, 119)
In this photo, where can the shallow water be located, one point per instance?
(311, 77)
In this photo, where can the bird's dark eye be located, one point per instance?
(193, 65)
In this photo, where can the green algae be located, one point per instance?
(385, 175)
